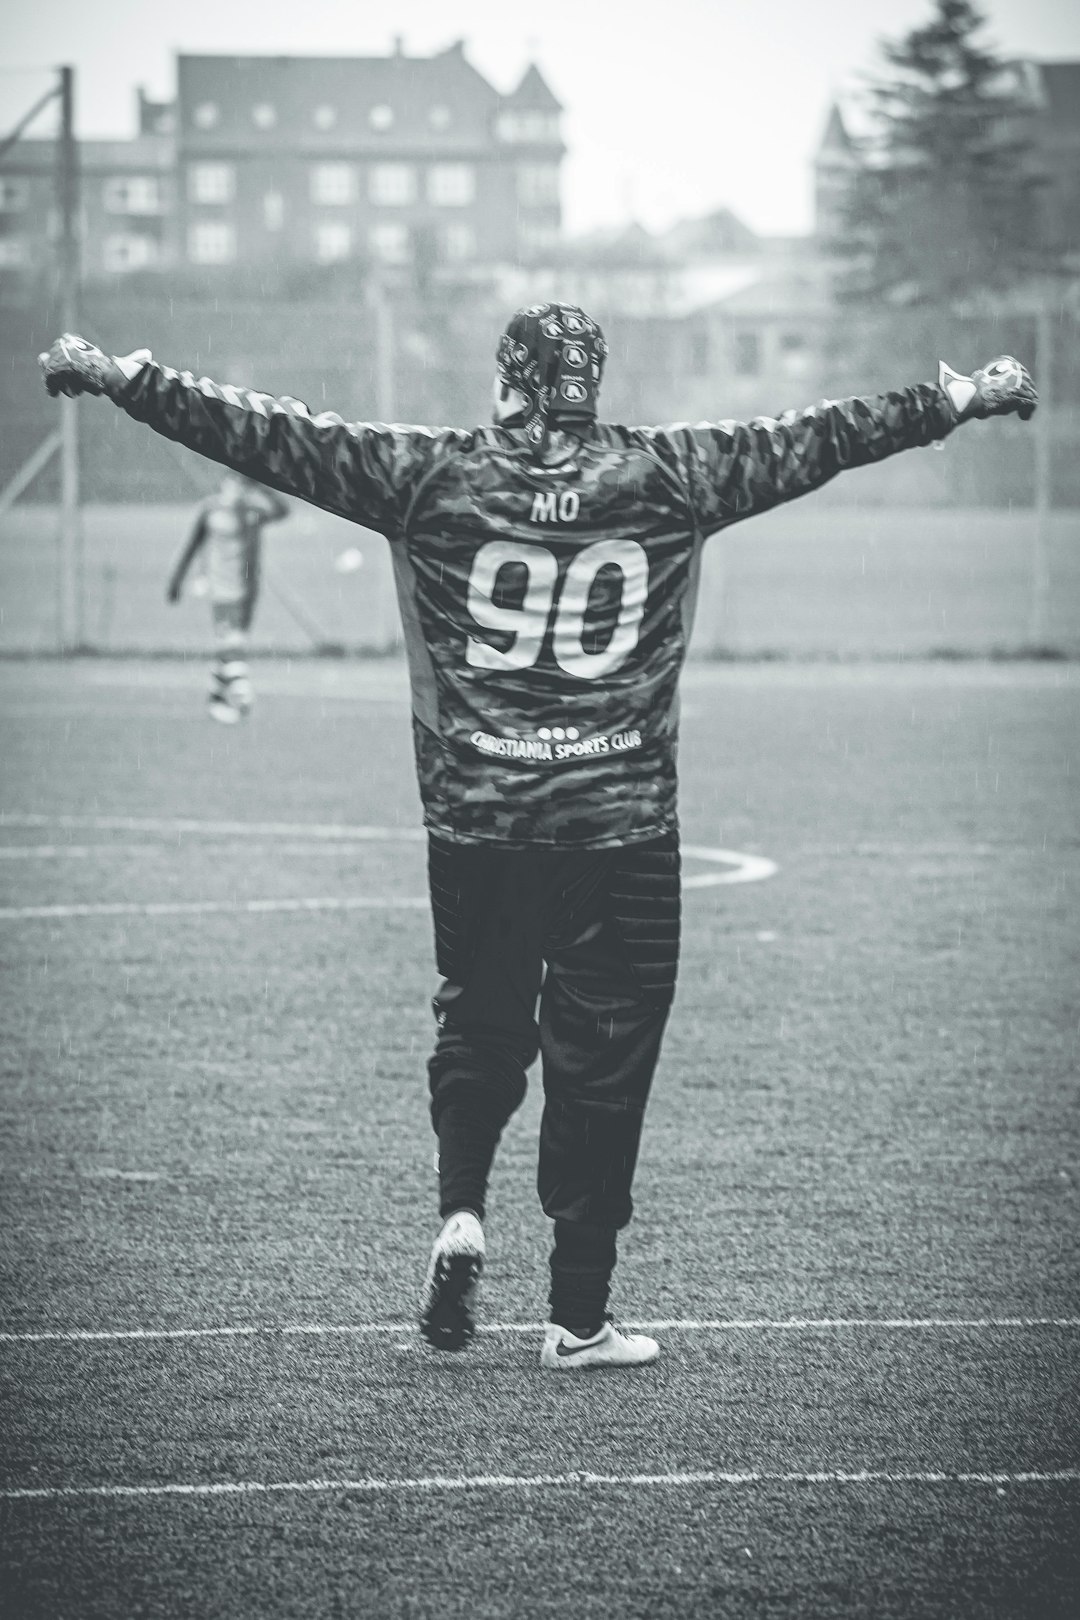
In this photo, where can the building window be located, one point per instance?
(459, 242)
(333, 242)
(538, 185)
(207, 115)
(747, 354)
(451, 185)
(211, 182)
(129, 252)
(14, 195)
(273, 210)
(537, 239)
(264, 115)
(439, 116)
(699, 351)
(324, 116)
(390, 243)
(211, 242)
(528, 126)
(794, 354)
(333, 183)
(392, 184)
(14, 252)
(381, 117)
(133, 194)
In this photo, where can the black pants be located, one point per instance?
(606, 925)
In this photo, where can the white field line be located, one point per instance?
(763, 1324)
(739, 868)
(743, 868)
(432, 1483)
(217, 829)
(200, 908)
(48, 852)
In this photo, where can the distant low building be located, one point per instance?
(707, 318)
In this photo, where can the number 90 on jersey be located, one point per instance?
(545, 606)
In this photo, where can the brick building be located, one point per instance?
(127, 206)
(275, 164)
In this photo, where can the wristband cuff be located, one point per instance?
(958, 389)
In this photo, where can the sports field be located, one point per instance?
(857, 1227)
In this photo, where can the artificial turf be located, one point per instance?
(866, 1109)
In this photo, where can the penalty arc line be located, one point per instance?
(738, 867)
(463, 1482)
(792, 1324)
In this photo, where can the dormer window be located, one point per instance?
(324, 116)
(207, 115)
(264, 115)
(381, 117)
(528, 126)
(439, 116)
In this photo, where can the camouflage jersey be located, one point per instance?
(546, 605)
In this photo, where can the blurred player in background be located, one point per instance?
(227, 538)
(547, 569)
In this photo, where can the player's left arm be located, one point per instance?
(195, 541)
(737, 469)
(272, 508)
(360, 470)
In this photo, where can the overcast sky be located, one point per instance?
(673, 107)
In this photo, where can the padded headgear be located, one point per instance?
(554, 355)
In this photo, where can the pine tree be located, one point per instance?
(943, 201)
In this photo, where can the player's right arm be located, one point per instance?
(360, 470)
(194, 541)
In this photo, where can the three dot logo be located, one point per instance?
(558, 734)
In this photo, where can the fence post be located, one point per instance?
(71, 581)
(1043, 447)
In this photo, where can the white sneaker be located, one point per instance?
(231, 693)
(563, 1352)
(223, 712)
(448, 1300)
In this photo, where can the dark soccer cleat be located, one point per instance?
(448, 1301)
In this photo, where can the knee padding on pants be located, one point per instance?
(487, 1076)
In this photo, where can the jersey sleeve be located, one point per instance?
(733, 470)
(365, 471)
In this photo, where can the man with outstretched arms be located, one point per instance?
(546, 570)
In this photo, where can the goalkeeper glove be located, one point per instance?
(73, 366)
(997, 389)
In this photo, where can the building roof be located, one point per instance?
(718, 234)
(327, 102)
(835, 137)
(534, 92)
